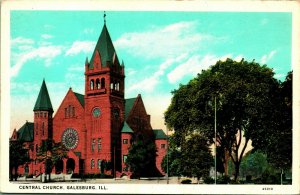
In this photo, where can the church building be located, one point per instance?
(97, 127)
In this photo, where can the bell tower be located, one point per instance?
(104, 104)
(43, 119)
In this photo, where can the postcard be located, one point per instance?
(183, 97)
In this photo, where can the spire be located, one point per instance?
(43, 101)
(105, 48)
(104, 15)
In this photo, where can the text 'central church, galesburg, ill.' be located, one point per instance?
(98, 127)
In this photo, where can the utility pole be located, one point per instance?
(167, 157)
(114, 161)
(215, 140)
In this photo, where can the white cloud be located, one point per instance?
(195, 64)
(168, 41)
(21, 41)
(80, 46)
(279, 76)
(46, 53)
(46, 36)
(130, 71)
(25, 87)
(238, 58)
(192, 66)
(265, 58)
(149, 83)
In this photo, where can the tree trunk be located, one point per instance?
(226, 158)
(237, 170)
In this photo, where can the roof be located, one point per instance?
(80, 98)
(128, 106)
(159, 134)
(105, 48)
(126, 128)
(43, 101)
(25, 133)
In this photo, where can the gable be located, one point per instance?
(71, 106)
(136, 116)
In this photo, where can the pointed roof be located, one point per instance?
(80, 98)
(105, 48)
(126, 128)
(128, 106)
(159, 134)
(25, 133)
(43, 101)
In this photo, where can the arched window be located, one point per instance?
(115, 86)
(118, 86)
(69, 111)
(99, 164)
(99, 144)
(93, 145)
(73, 111)
(111, 85)
(98, 84)
(92, 84)
(92, 163)
(102, 83)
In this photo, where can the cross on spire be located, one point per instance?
(104, 17)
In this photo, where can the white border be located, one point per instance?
(126, 5)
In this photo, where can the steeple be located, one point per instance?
(105, 49)
(43, 101)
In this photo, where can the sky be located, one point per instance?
(160, 50)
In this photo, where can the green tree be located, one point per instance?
(254, 164)
(242, 93)
(50, 153)
(141, 158)
(278, 142)
(193, 159)
(18, 155)
(196, 159)
(174, 167)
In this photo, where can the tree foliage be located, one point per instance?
(141, 158)
(243, 93)
(18, 155)
(196, 158)
(50, 153)
(254, 164)
(171, 163)
(277, 143)
(193, 159)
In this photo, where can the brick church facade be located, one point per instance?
(97, 127)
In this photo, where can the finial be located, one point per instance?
(104, 15)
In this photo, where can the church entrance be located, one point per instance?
(70, 165)
(26, 170)
(59, 166)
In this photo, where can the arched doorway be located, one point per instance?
(70, 165)
(26, 170)
(59, 166)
